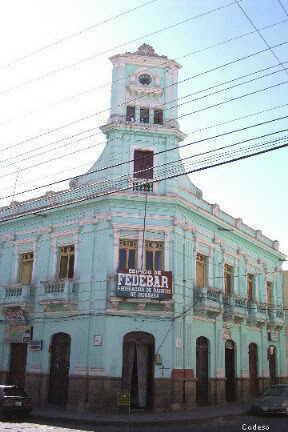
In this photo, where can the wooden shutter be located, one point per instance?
(143, 164)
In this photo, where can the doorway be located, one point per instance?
(253, 369)
(202, 365)
(138, 368)
(59, 369)
(272, 364)
(230, 369)
(18, 359)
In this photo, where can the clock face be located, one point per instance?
(145, 79)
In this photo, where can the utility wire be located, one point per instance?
(109, 50)
(150, 181)
(283, 7)
(75, 34)
(28, 153)
(260, 35)
(191, 132)
(108, 83)
(159, 152)
(91, 115)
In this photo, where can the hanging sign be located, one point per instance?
(144, 284)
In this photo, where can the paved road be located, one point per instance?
(231, 424)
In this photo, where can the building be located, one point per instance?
(149, 289)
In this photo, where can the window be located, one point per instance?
(127, 254)
(250, 286)
(201, 268)
(158, 117)
(228, 279)
(145, 79)
(26, 267)
(143, 164)
(144, 115)
(269, 290)
(154, 255)
(130, 113)
(66, 262)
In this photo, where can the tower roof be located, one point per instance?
(146, 50)
(145, 54)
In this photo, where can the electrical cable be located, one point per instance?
(109, 50)
(260, 35)
(125, 188)
(108, 84)
(156, 153)
(191, 132)
(75, 34)
(91, 115)
(26, 153)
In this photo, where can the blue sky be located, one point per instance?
(254, 189)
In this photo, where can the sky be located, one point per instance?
(49, 79)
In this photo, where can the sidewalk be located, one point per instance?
(194, 415)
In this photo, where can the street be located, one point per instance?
(223, 424)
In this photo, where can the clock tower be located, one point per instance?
(142, 125)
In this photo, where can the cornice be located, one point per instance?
(129, 126)
(120, 59)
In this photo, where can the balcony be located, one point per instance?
(17, 295)
(58, 292)
(207, 301)
(257, 313)
(235, 308)
(275, 315)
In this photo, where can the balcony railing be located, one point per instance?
(55, 291)
(235, 308)
(142, 185)
(207, 301)
(257, 312)
(17, 295)
(276, 315)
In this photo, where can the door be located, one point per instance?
(138, 368)
(202, 370)
(18, 358)
(230, 383)
(272, 364)
(253, 369)
(59, 369)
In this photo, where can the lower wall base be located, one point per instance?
(99, 394)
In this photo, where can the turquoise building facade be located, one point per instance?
(70, 336)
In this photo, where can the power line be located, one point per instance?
(194, 131)
(260, 35)
(190, 53)
(150, 181)
(109, 50)
(26, 153)
(75, 34)
(89, 116)
(226, 88)
(233, 99)
(157, 153)
(283, 7)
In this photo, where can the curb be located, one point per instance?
(131, 421)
